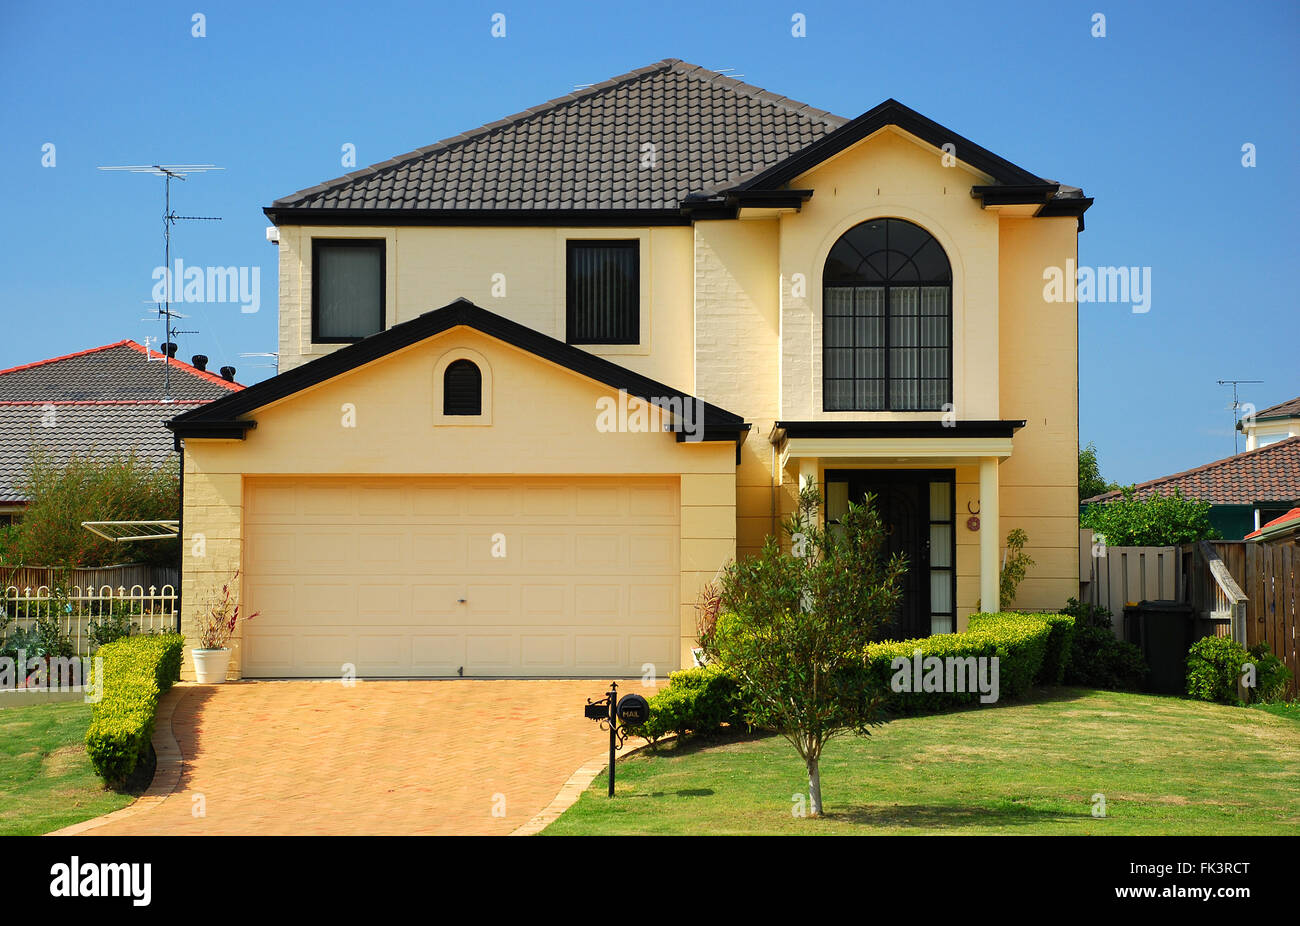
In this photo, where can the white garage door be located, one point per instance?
(511, 576)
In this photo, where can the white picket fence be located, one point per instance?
(151, 610)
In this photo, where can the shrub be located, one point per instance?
(1019, 641)
(1059, 639)
(1272, 677)
(136, 671)
(696, 701)
(63, 494)
(1097, 658)
(1214, 667)
(43, 639)
(1014, 566)
(1154, 521)
(112, 626)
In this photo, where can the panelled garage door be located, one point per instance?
(510, 576)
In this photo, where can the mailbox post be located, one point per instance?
(617, 714)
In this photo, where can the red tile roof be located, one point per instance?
(1269, 473)
(1287, 409)
(1291, 518)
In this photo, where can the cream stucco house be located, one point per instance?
(541, 380)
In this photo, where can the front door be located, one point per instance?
(916, 507)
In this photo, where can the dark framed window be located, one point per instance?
(604, 292)
(462, 388)
(886, 320)
(347, 289)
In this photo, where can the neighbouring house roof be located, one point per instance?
(1288, 523)
(1269, 473)
(222, 418)
(583, 155)
(124, 371)
(81, 429)
(1287, 409)
(106, 401)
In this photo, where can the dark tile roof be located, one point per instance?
(1288, 409)
(583, 151)
(1269, 473)
(82, 429)
(114, 372)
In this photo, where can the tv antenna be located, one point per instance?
(170, 172)
(272, 356)
(1236, 405)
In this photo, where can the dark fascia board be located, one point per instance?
(1015, 194)
(706, 206)
(784, 430)
(509, 217)
(890, 112)
(1069, 205)
(223, 412)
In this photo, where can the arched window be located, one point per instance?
(462, 389)
(886, 320)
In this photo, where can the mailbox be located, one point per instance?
(633, 710)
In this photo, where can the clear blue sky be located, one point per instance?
(1150, 120)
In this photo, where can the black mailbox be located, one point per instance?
(633, 710)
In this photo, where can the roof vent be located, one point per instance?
(199, 362)
(228, 374)
(170, 348)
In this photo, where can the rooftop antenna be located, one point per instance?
(170, 172)
(273, 356)
(1236, 405)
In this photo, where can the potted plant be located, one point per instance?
(216, 625)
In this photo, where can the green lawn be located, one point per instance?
(1165, 765)
(46, 781)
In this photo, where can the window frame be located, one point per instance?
(570, 312)
(886, 346)
(382, 244)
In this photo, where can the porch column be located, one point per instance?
(990, 535)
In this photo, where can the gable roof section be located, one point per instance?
(1012, 184)
(1269, 473)
(1279, 527)
(115, 372)
(582, 152)
(221, 419)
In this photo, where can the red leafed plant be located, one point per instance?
(216, 623)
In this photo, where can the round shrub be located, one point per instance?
(1214, 666)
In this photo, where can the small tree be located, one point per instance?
(793, 626)
(1154, 521)
(1091, 481)
(63, 494)
(1015, 564)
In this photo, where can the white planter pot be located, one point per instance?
(210, 665)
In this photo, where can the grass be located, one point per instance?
(46, 780)
(1165, 766)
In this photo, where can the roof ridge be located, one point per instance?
(208, 375)
(676, 65)
(1204, 467)
(78, 353)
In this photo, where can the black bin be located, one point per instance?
(1164, 631)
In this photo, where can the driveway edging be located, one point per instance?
(578, 782)
(167, 773)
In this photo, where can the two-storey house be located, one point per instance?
(542, 380)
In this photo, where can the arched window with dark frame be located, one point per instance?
(462, 388)
(886, 320)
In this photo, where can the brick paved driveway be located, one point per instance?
(392, 757)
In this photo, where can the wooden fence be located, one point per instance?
(1272, 584)
(125, 575)
(1112, 577)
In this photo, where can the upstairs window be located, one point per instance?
(347, 292)
(604, 292)
(462, 389)
(886, 320)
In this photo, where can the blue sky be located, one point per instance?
(1150, 119)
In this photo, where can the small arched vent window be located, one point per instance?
(462, 389)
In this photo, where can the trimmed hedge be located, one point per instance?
(1021, 642)
(696, 700)
(1214, 665)
(1059, 640)
(136, 672)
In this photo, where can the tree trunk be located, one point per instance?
(814, 789)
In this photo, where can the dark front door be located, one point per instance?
(915, 506)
